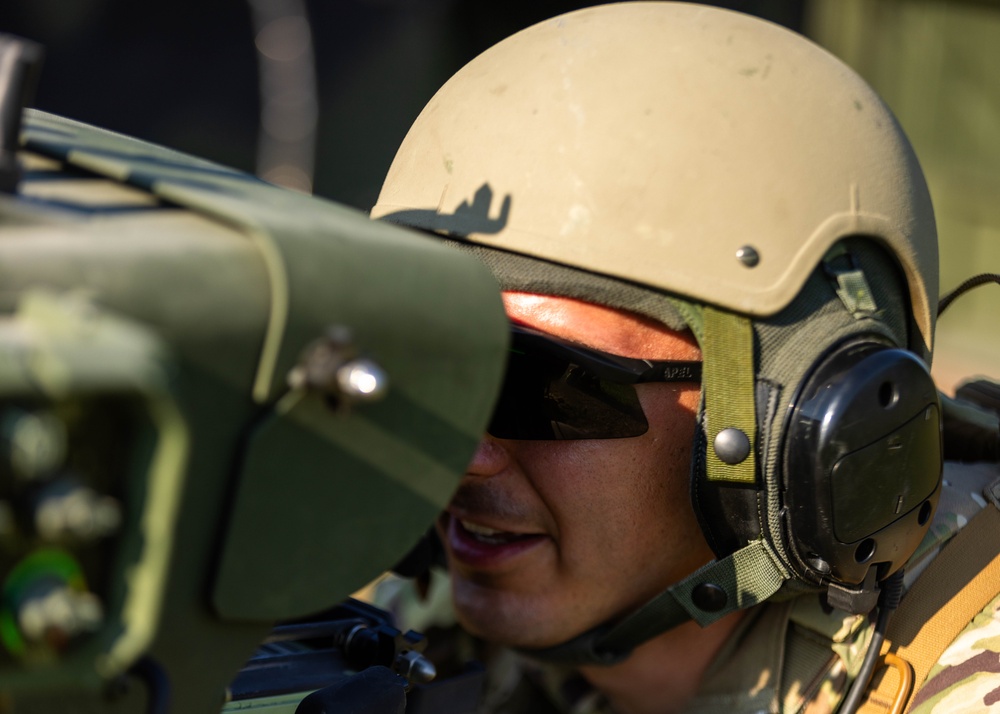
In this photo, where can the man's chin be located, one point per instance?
(504, 619)
(512, 636)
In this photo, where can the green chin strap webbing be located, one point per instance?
(741, 580)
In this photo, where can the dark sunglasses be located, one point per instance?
(555, 389)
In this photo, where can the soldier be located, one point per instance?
(717, 444)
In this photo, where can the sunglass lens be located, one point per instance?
(548, 398)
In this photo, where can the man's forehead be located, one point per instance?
(599, 326)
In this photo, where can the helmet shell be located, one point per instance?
(653, 141)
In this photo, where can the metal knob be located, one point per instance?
(333, 366)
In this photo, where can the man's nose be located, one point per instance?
(490, 458)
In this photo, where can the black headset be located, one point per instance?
(858, 469)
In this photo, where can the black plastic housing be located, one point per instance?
(862, 463)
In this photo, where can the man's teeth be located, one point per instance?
(481, 530)
(490, 536)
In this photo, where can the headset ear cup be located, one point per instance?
(861, 463)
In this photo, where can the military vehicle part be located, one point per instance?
(163, 483)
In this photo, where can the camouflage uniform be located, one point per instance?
(785, 657)
(967, 677)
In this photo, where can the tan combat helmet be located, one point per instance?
(770, 200)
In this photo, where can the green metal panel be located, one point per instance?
(283, 503)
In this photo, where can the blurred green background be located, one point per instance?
(937, 65)
(186, 74)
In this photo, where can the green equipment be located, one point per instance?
(222, 405)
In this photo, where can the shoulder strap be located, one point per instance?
(934, 612)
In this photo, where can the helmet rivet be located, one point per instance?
(748, 255)
(709, 597)
(731, 446)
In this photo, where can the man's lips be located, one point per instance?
(480, 546)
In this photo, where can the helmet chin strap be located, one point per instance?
(738, 581)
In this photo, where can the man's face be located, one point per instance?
(547, 539)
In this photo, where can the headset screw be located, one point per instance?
(819, 565)
(748, 255)
(731, 445)
(709, 597)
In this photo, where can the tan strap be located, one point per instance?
(933, 613)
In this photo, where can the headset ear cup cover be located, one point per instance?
(861, 463)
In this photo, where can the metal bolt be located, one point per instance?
(748, 255)
(332, 366)
(818, 564)
(362, 380)
(415, 667)
(731, 445)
